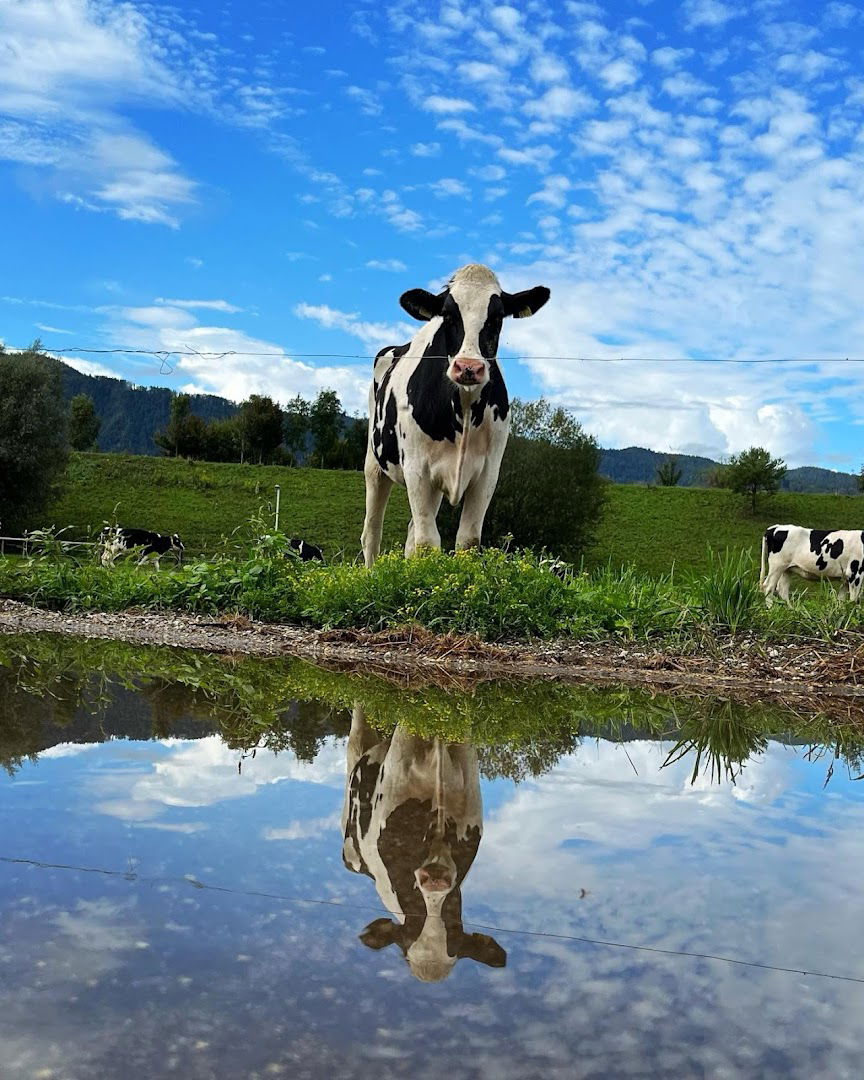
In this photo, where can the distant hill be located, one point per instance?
(636, 465)
(130, 415)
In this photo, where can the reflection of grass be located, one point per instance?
(520, 728)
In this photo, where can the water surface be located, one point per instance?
(177, 898)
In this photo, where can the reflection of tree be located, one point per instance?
(516, 761)
(50, 684)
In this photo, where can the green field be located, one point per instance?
(650, 528)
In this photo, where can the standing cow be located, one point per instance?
(412, 822)
(811, 553)
(438, 409)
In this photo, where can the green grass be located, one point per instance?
(495, 595)
(652, 529)
(205, 502)
(656, 528)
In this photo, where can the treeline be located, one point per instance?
(316, 433)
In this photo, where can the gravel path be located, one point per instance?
(742, 666)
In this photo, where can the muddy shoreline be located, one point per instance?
(742, 667)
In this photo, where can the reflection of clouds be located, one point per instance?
(304, 830)
(200, 773)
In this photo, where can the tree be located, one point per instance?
(550, 493)
(860, 479)
(84, 424)
(185, 435)
(223, 440)
(33, 426)
(295, 428)
(754, 471)
(259, 423)
(669, 472)
(325, 424)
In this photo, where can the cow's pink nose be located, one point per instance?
(468, 369)
(439, 881)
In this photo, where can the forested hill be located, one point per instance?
(636, 465)
(130, 415)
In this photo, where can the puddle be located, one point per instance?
(187, 891)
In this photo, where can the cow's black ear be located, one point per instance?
(421, 304)
(380, 933)
(528, 302)
(483, 949)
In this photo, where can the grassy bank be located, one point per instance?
(493, 595)
(651, 529)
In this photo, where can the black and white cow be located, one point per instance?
(306, 551)
(152, 545)
(811, 553)
(412, 822)
(438, 409)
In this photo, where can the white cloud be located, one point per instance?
(436, 103)
(449, 187)
(374, 335)
(553, 193)
(618, 73)
(710, 13)
(559, 103)
(210, 305)
(424, 150)
(395, 266)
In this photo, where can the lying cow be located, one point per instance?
(412, 822)
(812, 554)
(438, 409)
(307, 552)
(150, 545)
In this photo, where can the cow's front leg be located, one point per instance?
(378, 488)
(474, 507)
(424, 501)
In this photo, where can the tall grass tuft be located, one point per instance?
(728, 596)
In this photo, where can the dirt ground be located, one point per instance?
(740, 666)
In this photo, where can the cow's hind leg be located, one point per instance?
(378, 488)
(776, 583)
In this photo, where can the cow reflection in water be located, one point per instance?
(412, 821)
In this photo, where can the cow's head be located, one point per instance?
(472, 309)
(178, 547)
(432, 938)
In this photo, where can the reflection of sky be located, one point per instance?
(153, 976)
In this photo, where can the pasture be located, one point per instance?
(651, 529)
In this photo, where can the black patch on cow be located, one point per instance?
(492, 396)
(821, 546)
(385, 445)
(398, 352)
(853, 572)
(775, 539)
(363, 782)
(491, 329)
(433, 398)
(453, 326)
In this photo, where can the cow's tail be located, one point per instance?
(764, 565)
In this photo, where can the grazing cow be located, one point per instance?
(811, 553)
(116, 540)
(412, 822)
(306, 551)
(438, 409)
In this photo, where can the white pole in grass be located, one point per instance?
(278, 493)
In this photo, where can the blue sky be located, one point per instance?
(687, 177)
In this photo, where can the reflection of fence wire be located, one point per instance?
(131, 875)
